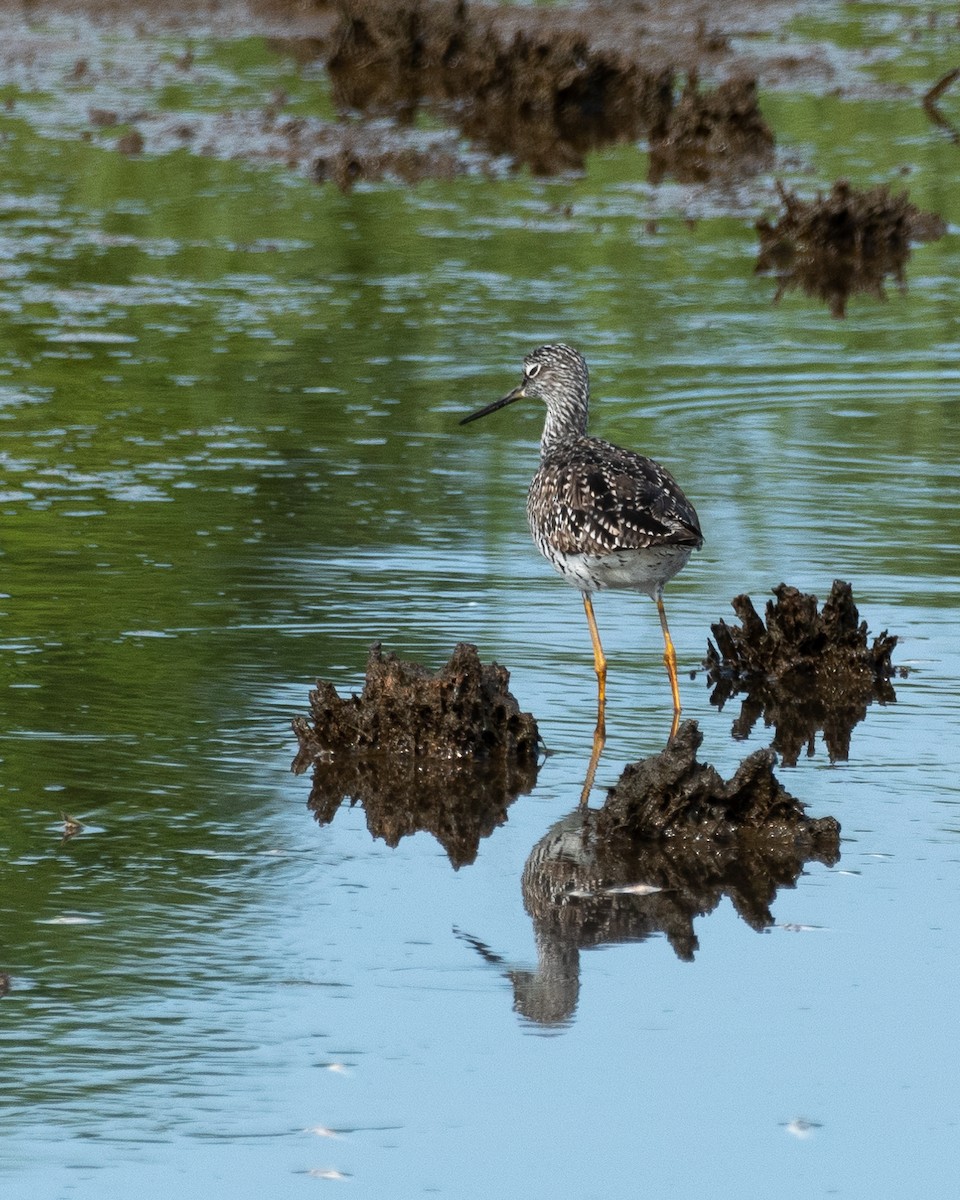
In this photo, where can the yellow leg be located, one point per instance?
(598, 743)
(670, 662)
(600, 666)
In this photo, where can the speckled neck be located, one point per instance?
(563, 384)
(567, 410)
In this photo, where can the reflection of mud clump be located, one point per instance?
(546, 101)
(445, 752)
(463, 710)
(543, 95)
(804, 670)
(672, 796)
(388, 56)
(581, 890)
(843, 244)
(710, 135)
(458, 802)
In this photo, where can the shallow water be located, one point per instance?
(230, 461)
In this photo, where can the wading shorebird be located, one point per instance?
(603, 516)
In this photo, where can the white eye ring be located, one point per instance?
(532, 370)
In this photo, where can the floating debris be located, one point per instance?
(131, 143)
(71, 826)
(719, 134)
(842, 244)
(801, 1128)
(803, 671)
(446, 752)
(931, 104)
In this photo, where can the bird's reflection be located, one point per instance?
(671, 840)
(581, 893)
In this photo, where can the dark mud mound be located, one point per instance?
(843, 244)
(804, 670)
(462, 711)
(542, 94)
(671, 796)
(714, 135)
(446, 752)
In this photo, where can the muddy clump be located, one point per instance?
(712, 135)
(463, 711)
(542, 95)
(672, 797)
(846, 243)
(804, 670)
(446, 752)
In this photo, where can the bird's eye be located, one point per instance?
(532, 370)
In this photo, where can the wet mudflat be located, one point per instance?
(230, 464)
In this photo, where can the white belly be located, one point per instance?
(640, 570)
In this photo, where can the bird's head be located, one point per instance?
(557, 375)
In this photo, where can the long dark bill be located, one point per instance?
(517, 394)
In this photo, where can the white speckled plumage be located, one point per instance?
(603, 516)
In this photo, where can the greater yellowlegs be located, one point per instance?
(603, 516)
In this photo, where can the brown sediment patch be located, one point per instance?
(340, 154)
(804, 670)
(846, 243)
(672, 796)
(444, 751)
(712, 135)
(357, 157)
